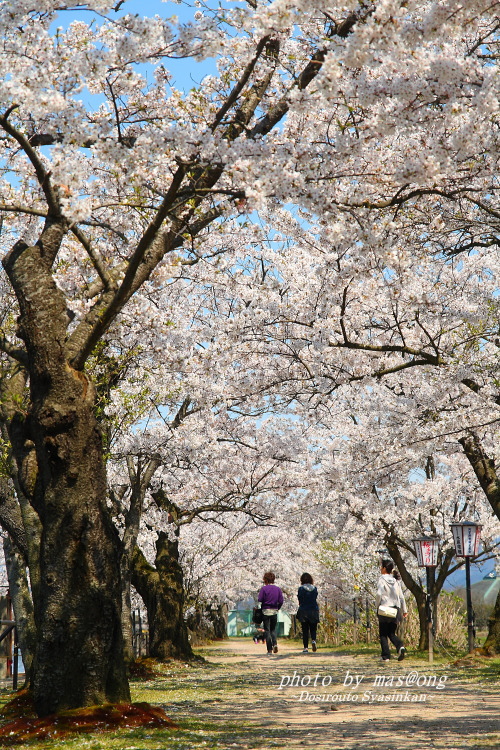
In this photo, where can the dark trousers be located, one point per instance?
(308, 627)
(387, 632)
(269, 623)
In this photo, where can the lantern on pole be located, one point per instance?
(466, 536)
(426, 549)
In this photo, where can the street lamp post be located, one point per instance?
(426, 548)
(368, 623)
(355, 621)
(466, 536)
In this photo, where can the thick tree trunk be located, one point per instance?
(21, 604)
(79, 656)
(140, 477)
(126, 618)
(492, 643)
(79, 659)
(162, 591)
(218, 617)
(486, 473)
(423, 641)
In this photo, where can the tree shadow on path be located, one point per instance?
(253, 706)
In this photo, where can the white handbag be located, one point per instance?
(385, 611)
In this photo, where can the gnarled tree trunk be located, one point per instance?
(140, 477)
(79, 659)
(492, 643)
(162, 591)
(21, 604)
(485, 471)
(217, 614)
(79, 655)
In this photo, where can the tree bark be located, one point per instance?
(162, 591)
(79, 655)
(21, 604)
(79, 658)
(218, 617)
(126, 619)
(485, 471)
(140, 477)
(492, 643)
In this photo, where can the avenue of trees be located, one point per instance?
(238, 321)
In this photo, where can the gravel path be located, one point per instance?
(359, 702)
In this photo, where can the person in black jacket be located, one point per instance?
(308, 613)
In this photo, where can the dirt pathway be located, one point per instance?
(359, 702)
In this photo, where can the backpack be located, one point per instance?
(257, 616)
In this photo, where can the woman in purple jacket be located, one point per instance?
(271, 599)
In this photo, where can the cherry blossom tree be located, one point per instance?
(351, 113)
(212, 468)
(112, 232)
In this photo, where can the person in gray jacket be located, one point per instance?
(389, 594)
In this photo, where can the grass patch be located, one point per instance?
(193, 733)
(182, 690)
(477, 668)
(491, 740)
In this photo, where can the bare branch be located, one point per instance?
(238, 88)
(10, 517)
(18, 209)
(181, 414)
(94, 256)
(484, 469)
(40, 171)
(20, 355)
(311, 70)
(431, 359)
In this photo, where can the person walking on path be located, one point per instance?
(389, 594)
(308, 612)
(271, 599)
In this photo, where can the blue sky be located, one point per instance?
(187, 72)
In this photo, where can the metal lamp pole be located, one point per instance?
(426, 549)
(466, 536)
(470, 612)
